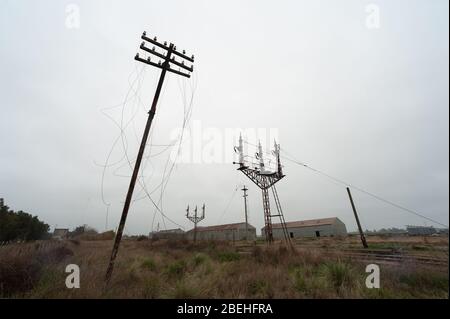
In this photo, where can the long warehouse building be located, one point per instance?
(310, 228)
(224, 232)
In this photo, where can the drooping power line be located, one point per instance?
(340, 181)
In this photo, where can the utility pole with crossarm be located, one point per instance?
(169, 56)
(195, 219)
(245, 189)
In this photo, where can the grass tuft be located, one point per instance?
(228, 256)
(148, 263)
(176, 269)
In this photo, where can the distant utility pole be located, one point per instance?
(106, 220)
(361, 233)
(195, 219)
(245, 189)
(168, 55)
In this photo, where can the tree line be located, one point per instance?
(15, 226)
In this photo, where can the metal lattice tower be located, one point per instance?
(195, 219)
(265, 180)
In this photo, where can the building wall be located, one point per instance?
(336, 229)
(421, 230)
(339, 228)
(60, 234)
(167, 235)
(228, 234)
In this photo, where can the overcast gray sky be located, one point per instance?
(361, 98)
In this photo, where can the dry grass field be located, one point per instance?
(316, 268)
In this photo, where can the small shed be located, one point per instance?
(60, 233)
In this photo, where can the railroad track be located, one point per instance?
(396, 258)
(386, 256)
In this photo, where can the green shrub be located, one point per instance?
(141, 238)
(310, 281)
(300, 282)
(176, 269)
(50, 283)
(183, 291)
(148, 263)
(339, 274)
(257, 254)
(18, 275)
(425, 281)
(228, 256)
(199, 259)
(152, 288)
(260, 288)
(421, 248)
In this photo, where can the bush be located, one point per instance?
(149, 264)
(426, 281)
(183, 291)
(228, 256)
(260, 288)
(339, 273)
(141, 238)
(88, 236)
(176, 269)
(18, 275)
(421, 248)
(300, 280)
(75, 242)
(54, 255)
(21, 226)
(199, 259)
(152, 288)
(257, 254)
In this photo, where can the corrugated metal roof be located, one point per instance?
(221, 227)
(308, 223)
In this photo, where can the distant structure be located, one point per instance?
(420, 230)
(386, 232)
(60, 233)
(195, 219)
(177, 233)
(2, 203)
(265, 179)
(311, 228)
(225, 232)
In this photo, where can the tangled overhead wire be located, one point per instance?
(131, 104)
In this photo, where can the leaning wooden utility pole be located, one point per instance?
(361, 233)
(168, 58)
(245, 189)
